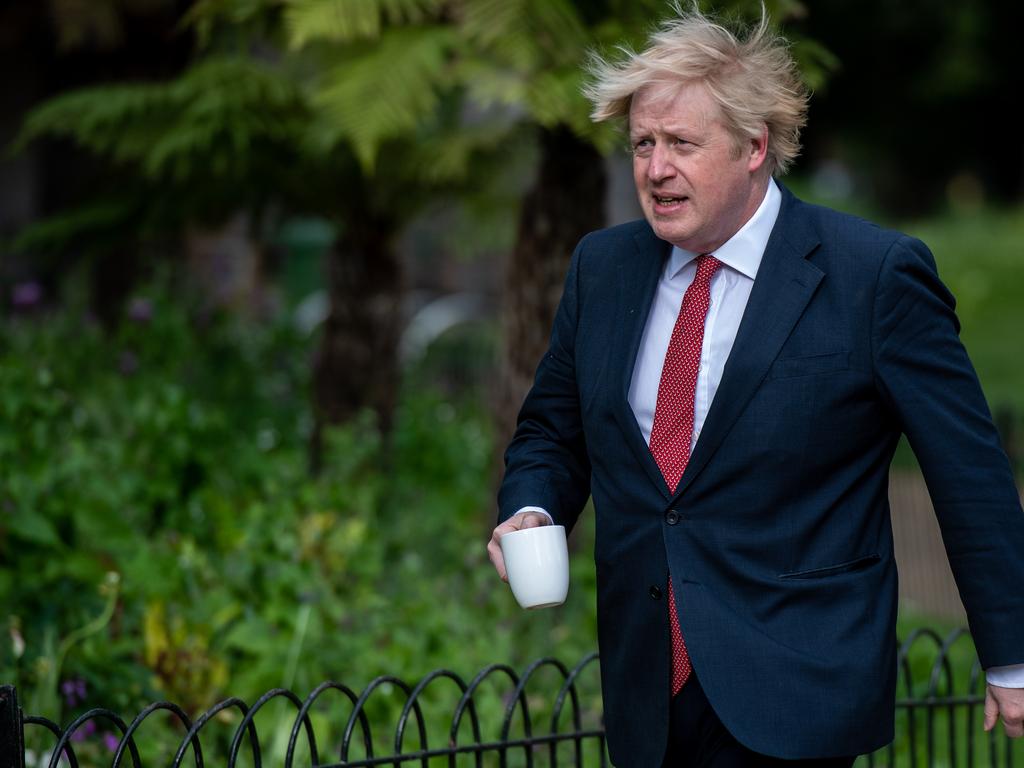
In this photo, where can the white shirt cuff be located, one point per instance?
(544, 512)
(1011, 676)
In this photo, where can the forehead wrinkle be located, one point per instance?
(662, 97)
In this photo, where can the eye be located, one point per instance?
(642, 147)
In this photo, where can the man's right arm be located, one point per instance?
(547, 470)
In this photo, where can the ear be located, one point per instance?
(758, 150)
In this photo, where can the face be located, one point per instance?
(696, 188)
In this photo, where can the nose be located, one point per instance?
(659, 165)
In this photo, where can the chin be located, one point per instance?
(673, 234)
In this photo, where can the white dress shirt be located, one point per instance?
(730, 290)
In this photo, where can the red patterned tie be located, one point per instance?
(673, 418)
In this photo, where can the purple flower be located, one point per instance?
(87, 729)
(140, 310)
(27, 294)
(110, 741)
(74, 691)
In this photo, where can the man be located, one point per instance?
(729, 379)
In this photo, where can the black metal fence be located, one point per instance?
(939, 722)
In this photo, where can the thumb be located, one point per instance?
(533, 520)
(991, 709)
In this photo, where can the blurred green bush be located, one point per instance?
(172, 453)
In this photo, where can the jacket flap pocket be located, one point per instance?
(831, 570)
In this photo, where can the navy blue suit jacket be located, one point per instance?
(778, 538)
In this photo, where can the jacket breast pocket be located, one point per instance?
(810, 365)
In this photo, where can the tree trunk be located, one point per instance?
(356, 364)
(566, 202)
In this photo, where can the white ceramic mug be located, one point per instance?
(537, 563)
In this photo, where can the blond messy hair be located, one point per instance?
(750, 75)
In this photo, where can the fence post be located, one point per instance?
(12, 743)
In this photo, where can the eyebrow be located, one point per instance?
(668, 131)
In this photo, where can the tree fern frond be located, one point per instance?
(446, 159)
(487, 21)
(500, 30)
(816, 62)
(558, 29)
(223, 108)
(205, 15)
(343, 21)
(528, 35)
(488, 82)
(109, 120)
(335, 20)
(208, 119)
(65, 231)
(554, 96)
(385, 90)
(448, 156)
(399, 12)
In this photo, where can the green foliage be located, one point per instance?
(408, 65)
(359, 103)
(224, 136)
(99, 23)
(323, 121)
(527, 35)
(214, 120)
(98, 224)
(343, 21)
(173, 454)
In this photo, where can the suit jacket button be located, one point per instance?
(655, 593)
(672, 517)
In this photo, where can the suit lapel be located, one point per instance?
(638, 280)
(785, 283)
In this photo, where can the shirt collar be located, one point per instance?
(742, 251)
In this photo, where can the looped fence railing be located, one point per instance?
(549, 715)
(940, 699)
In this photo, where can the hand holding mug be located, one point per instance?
(531, 554)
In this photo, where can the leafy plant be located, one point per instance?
(173, 455)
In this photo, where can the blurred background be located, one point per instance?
(275, 275)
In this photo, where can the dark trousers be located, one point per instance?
(697, 739)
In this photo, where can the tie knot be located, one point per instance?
(706, 266)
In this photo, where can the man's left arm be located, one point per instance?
(925, 375)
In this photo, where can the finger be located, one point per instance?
(494, 545)
(496, 558)
(514, 523)
(991, 710)
(1011, 711)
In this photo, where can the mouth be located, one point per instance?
(665, 205)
